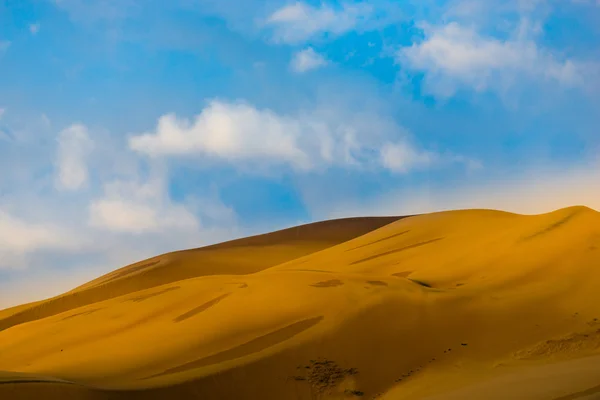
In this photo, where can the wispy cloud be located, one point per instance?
(454, 56)
(299, 22)
(402, 157)
(19, 237)
(74, 145)
(131, 207)
(306, 60)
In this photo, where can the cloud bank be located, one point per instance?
(241, 134)
(455, 56)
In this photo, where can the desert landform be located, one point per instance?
(468, 304)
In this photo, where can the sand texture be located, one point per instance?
(472, 304)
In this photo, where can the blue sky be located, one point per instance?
(130, 128)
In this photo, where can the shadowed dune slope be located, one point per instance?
(472, 304)
(240, 256)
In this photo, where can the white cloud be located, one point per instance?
(306, 60)
(129, 207)
(495, 13)
(298, 22)
(402, 157)
(22, 236)
(242, 135)
(2, 111)
(18, 238)
(123, 216)
(74, 145)
(234, 132)
(34, 28)
(455, 56)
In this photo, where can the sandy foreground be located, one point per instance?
(473, 304)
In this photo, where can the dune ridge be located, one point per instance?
(448, 305)
(232, 257)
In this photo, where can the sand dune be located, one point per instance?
(240, 256)
(473, 304)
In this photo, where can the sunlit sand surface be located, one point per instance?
(474, 304)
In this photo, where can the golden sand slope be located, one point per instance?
(473, 304)
(242, 256)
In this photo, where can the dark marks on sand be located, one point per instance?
(584, 394)
(241, 285)
(412, 246)
(324, 375)
(378, 241)
(377, 283)
(199, 309)
(250, 347)
(130, 270)
(30, 381)
(552, 227)
(403, 274)
(143, 297)
(308, 270)
(421, 283)
(80, 314)
(329, 283)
